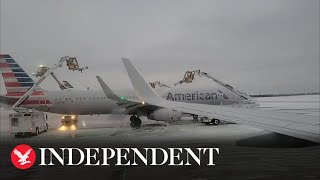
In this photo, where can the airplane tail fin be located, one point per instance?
(107, 90)
(141, 87)
(16, 80)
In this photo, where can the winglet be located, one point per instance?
(142, 89)
(107, 91)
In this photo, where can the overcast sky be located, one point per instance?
(266, 46)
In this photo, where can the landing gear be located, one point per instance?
(195, 117)
(135, 122)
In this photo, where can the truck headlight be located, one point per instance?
(62, 128)
(73, 127)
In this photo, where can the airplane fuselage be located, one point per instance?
(88, 102)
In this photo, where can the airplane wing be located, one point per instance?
(130, 105)
(299, 126)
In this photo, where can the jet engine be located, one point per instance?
(165, 114)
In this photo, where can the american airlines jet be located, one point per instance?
(295, 125)
(71, 102)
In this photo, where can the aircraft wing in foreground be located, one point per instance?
(295, 125)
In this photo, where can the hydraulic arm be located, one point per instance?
(72, 64)
(158, 83)
(189, 77)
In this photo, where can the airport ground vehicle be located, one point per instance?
(209, 121)
(69, 123)
(18, 84)
(28, 123)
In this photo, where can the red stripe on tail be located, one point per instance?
(7, 75)
(12, 84)
(4, 65)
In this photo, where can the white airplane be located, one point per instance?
(71, 102)
(294, 125)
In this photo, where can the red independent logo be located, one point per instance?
(23, 156)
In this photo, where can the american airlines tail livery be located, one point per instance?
(72, 102)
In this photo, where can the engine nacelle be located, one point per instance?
(165, 114)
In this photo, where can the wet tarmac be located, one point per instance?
(234, 161)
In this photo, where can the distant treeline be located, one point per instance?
(275, 95)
